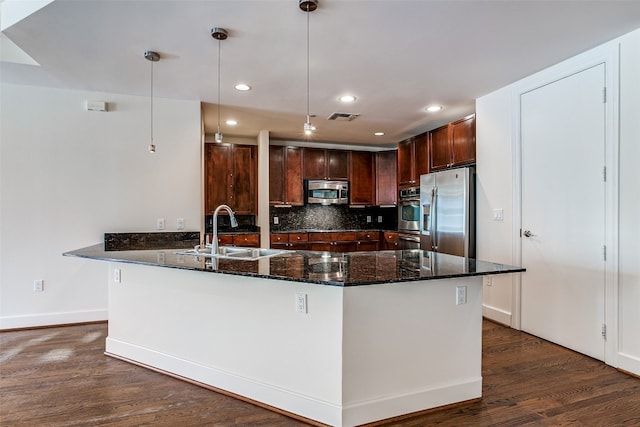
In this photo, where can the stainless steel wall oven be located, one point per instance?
(409, 210)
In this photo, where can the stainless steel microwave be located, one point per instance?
(326, 192)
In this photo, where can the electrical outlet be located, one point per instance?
(379, 218)
(180, 224)
(461, 295)
(116, 275)
(160, 257)
(368, 218)
(488, 281)
(160, 224)
(276, 220)
(38, 285)
(301, 302)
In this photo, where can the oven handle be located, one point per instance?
(409, 239)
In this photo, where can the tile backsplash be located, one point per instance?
(333, 217)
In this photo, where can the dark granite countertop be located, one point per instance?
(337, 269)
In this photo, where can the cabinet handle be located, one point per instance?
(298, 237)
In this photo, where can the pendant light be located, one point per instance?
(153, 57)
(219, 34)
(308, 6)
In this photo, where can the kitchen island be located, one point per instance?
(338, 339)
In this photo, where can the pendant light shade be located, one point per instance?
(308, 6)
(153, 57)
(219, 34)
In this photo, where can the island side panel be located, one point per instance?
(409, 347)
(237, 333)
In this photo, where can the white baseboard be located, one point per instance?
(629, 363)
(330, 413)
(496, 314)
(51, 319)
(419, 400)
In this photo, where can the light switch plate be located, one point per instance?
(498, 214)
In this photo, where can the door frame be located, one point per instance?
(607, 54)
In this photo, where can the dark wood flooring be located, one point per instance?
(60, 377)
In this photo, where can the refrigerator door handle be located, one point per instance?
(434, 218)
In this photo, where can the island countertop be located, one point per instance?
(325, 268)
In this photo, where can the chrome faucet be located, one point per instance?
(234, 223)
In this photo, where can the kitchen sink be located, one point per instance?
(233, 252)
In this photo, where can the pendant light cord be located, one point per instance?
(151, 109)
(308, 12)
(218, 86)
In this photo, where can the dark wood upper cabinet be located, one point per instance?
(230, 177)
(362, 180)
(453, 144)
(216, 176)
(243, 195)
(413, 160)
(315, 163)
(406, 162)
(277, 173)
(325, 164)
(440, 151)
(337, 164)
(463, 141)
(422, 155)
(386, 177)
(285, 176)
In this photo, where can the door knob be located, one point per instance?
(528, 233)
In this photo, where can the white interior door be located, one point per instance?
(563, 211)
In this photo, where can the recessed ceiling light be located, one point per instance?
(379, 133)
(242, 87)
(347, 98)
(434, 108)
(231, 122)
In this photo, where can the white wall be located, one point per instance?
(629, 280)
(496, 175)
(494, 187)
(68, 176)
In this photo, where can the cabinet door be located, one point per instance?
(276, 175)
(362, 179)
(243, 188)
(422, 155)
(337, 164)
(216, 175)
(439, 145)
(406, 156)
(314, 163)
(247, 240)
(386, 166)
(463, 141)
(294, 194)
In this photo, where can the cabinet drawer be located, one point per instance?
(298, 237)
(368, 235)
(390, 236)
(249, 240)
(279, 237)
(337, 236)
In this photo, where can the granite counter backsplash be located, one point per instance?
(155, 240)
(333, 217)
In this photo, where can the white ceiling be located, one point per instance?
(395, 56)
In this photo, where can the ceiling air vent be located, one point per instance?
(343, 117)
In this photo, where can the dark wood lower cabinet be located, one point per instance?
(337, 241)
(247, 240)
(389, 241)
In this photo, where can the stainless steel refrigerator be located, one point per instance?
(447, 212)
